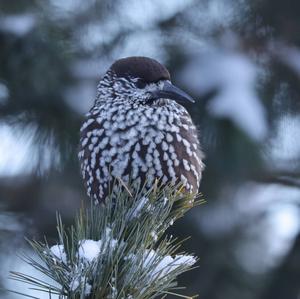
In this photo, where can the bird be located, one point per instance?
(138, 131)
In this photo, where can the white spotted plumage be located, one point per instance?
(125, 138)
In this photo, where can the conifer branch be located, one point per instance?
(116, 250)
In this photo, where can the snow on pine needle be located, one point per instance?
(116, 250)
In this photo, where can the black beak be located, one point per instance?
(172, 92)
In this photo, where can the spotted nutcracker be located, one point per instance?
(136, 131)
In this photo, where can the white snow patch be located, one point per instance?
(59, 252)
(166, 199)
(160, 267)
(89, 249)
(79, 282)
(154, 236)
(185, 260)
(168, 264)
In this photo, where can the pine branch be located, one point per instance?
(116, 250)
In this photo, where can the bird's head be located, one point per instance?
(139, 80)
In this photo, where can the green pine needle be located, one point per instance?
(116, 250)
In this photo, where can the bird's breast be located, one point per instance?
(139, 144)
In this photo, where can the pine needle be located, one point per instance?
(127, 253)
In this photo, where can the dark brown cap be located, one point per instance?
(147, 69)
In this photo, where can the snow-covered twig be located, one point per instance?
(116, 250)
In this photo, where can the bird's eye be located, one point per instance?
(141, 84)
